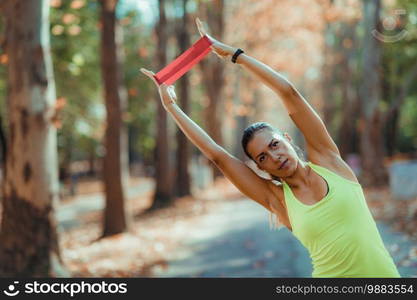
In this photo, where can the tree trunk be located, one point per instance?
(182, 186)
(163, 190)
(241, 120)
(213, 72)
(3, 144)
(28, 237)
(347, 126)
(347, 136)
(115, 168)
(327, 81)
(392, 116)
(371, 145)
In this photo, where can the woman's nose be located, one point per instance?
(275, 156)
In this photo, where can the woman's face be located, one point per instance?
(273, 153)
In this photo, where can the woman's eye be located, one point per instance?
(275, 143)
(261, 159)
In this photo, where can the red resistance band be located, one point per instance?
(184, 62)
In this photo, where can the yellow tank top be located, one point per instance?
(339, 231)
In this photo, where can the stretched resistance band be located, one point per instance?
(184, 62)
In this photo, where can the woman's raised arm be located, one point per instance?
(300, 111)
(235, 170)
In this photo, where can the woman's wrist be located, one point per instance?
(240, 59)
(237, 53)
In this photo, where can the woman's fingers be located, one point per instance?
(203, 31)
(147, 72)
(150, 74)
(200, 27)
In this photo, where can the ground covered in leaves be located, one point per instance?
(154, 235)
(400, 214)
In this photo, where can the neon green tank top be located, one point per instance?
(339, 231)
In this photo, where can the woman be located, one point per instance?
(320, 201)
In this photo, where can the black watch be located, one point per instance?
(237, 53)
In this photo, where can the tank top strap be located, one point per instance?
(330, 176)
(323, 172)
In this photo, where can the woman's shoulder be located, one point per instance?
(334, 163)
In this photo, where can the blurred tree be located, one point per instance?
(3, 144)
(28, 237)
(327, 67)
(182, 184)
(77, 77)
(3, 62)
(141, 112)
(399, 73)
(163, 176)
(213, 73)
(343, 75)
(349, 105)
(371, 140)
(391, 116)
(341, 53)
(279, 34)
(115, 168)
(241, 117)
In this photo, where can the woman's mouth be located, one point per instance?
(283, 164)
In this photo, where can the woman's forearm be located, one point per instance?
(271, 78)
(194, 133)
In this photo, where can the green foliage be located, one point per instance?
(398, 58)
(407, 139)
(75, 43)
(75, 40)
(142, 96)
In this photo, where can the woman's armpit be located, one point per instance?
(277, 205)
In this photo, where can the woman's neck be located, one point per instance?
(300, 177)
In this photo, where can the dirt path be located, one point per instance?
(220, 234)
(235, 241)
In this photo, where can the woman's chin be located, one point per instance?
(287, 170)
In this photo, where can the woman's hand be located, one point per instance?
(220, 49)
(166, 92)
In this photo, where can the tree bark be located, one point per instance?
(347, 135)
(163, 191)
(213, 72)
(3, 144)
(115, 164)
(182, 186)
(241, 120)
(371, 143)
(328, 79)
(28, 237)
